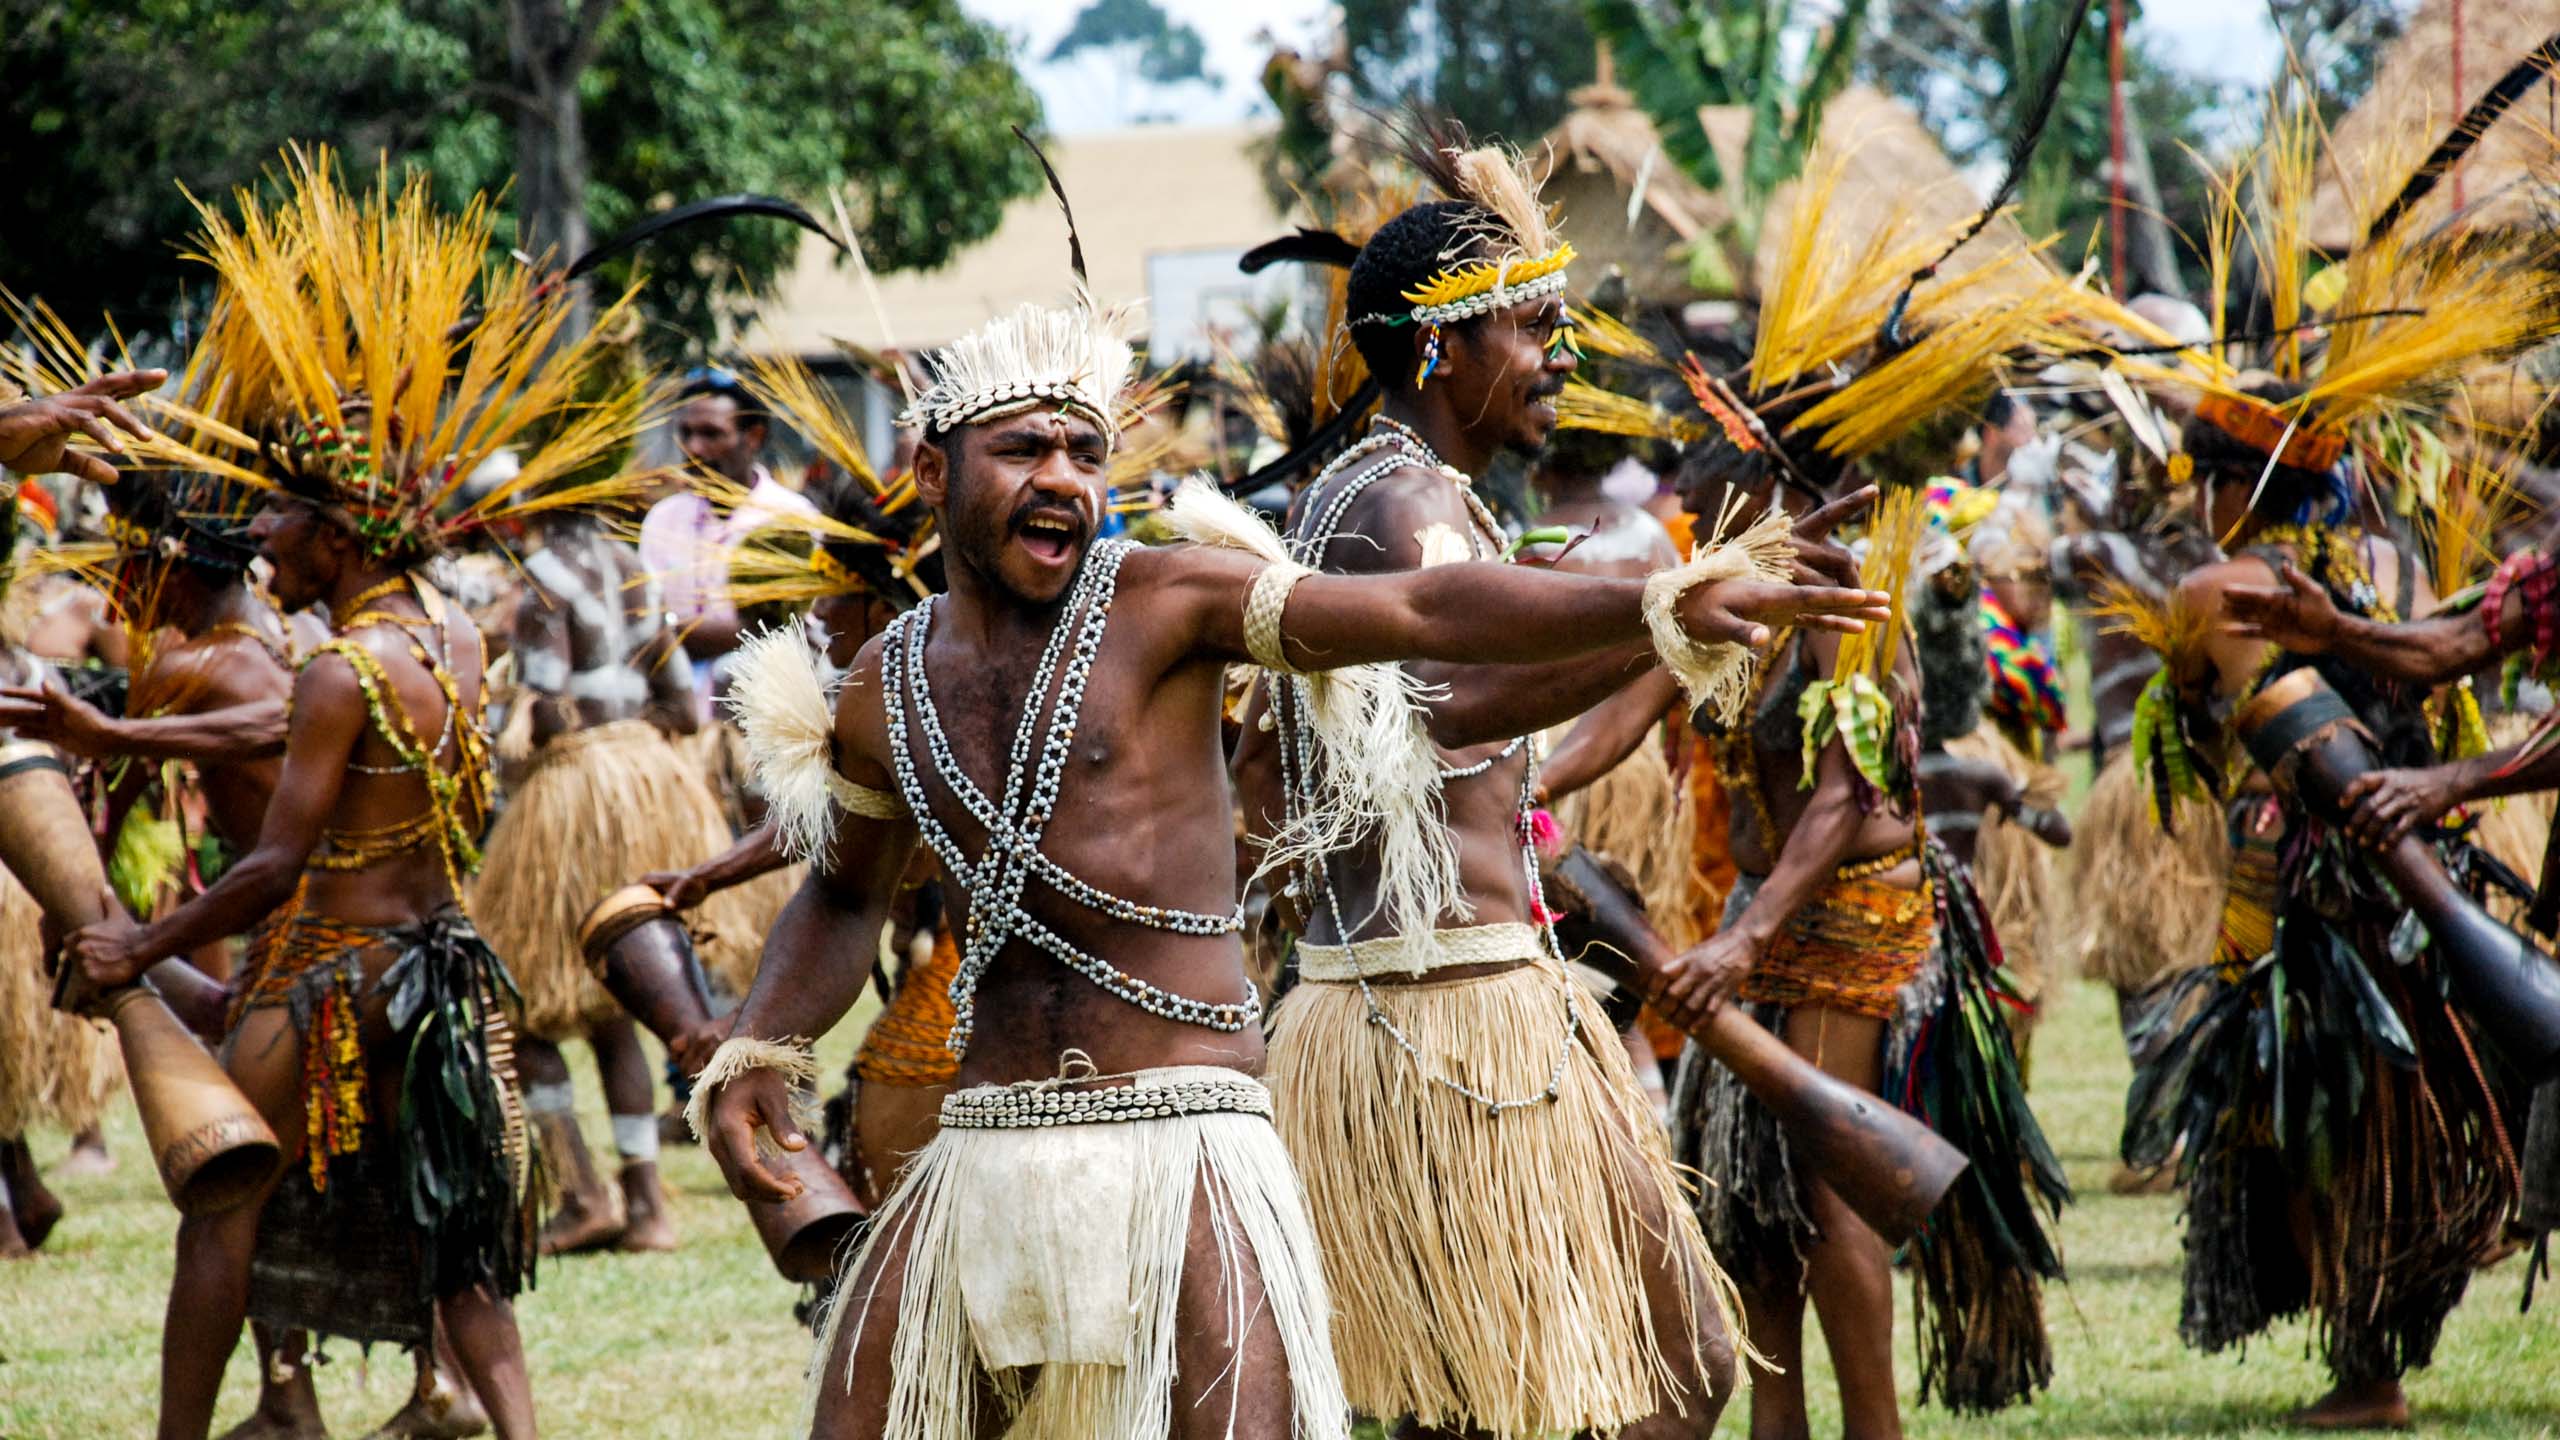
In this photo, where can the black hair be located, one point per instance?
(2225, 459)
(872, 562)
(1405, 252)
(723, 385)
(2002, 409)
(1946, 629)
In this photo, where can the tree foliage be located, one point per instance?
(1164, 51)
(117, 103)
(1504, 67)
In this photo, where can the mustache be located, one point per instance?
(1073, 513)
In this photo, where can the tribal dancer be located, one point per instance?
(2347, 1141)
(1436, 1041)
(857, 569)
(1847, 934)
(1106, 1237)
(369, 1031)
(55, 1068)
(2022, 719)
(606, 796)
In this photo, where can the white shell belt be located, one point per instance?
(1390, 955)
(1034, 1104)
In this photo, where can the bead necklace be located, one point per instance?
(1011, 856)
(1298, 762)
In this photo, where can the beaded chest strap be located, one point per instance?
(1011, 859)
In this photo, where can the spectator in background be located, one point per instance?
(685, 540)
(2008, 423)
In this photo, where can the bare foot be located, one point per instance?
(89, 1157)
(13, 1246)
(443, 1414)
(2380, 1405)
(644, 1201)
(673, 1131)
(581, 1223)
(34, 1209)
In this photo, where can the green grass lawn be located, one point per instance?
(701, 1342)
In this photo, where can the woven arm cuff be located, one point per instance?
(1263, 605)
(794, 1059)
(864, 801)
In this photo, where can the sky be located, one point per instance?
(2229, 40)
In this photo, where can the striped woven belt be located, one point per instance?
(1504, 940)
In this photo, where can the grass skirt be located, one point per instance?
(2015, 870)
(55, 1068)
(1064, 1248)
(1489, 1271)
(1978, 1268)
(601, 808)
(2144, 906)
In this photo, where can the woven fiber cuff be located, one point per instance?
(1263, 605)
(1716, 676)
(793, 1059)
(864, 801)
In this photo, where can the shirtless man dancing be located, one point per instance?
(1106, 1237)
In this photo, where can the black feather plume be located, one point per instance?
(2467, 132)
(1308, 246)
(1326, 440)
(1058, 187)
(718, 207)
(2022, 148)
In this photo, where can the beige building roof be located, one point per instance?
(1164, 212)
(1894, 163)
(2381, 142)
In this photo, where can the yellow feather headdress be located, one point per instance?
(377, 360)
(2409, 312)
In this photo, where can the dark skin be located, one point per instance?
(2234, 655)
(2384, 806)
(315, 560)
(1494, 391)
(1845, 1273)
(1954, 786)
(1144, 811)
(36, 436)
(221, 697)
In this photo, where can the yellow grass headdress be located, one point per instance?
(2407, 313)
(380, 360)
(1506, 252)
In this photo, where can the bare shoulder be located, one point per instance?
(1158, 573)
(862, 720)
(2202, 588)
(1395, 517)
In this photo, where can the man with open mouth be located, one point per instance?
(1107, 1232)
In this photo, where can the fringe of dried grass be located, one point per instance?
(601, 808)
(2143, 905)
(1489, 1271)
(55, 1068)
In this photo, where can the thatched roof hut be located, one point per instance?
(1626, 204)
(1893, 161)
(2505, 180)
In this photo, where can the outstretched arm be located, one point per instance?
(2298, 615)
(328, 719)
(249, 729)
(758, 852)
